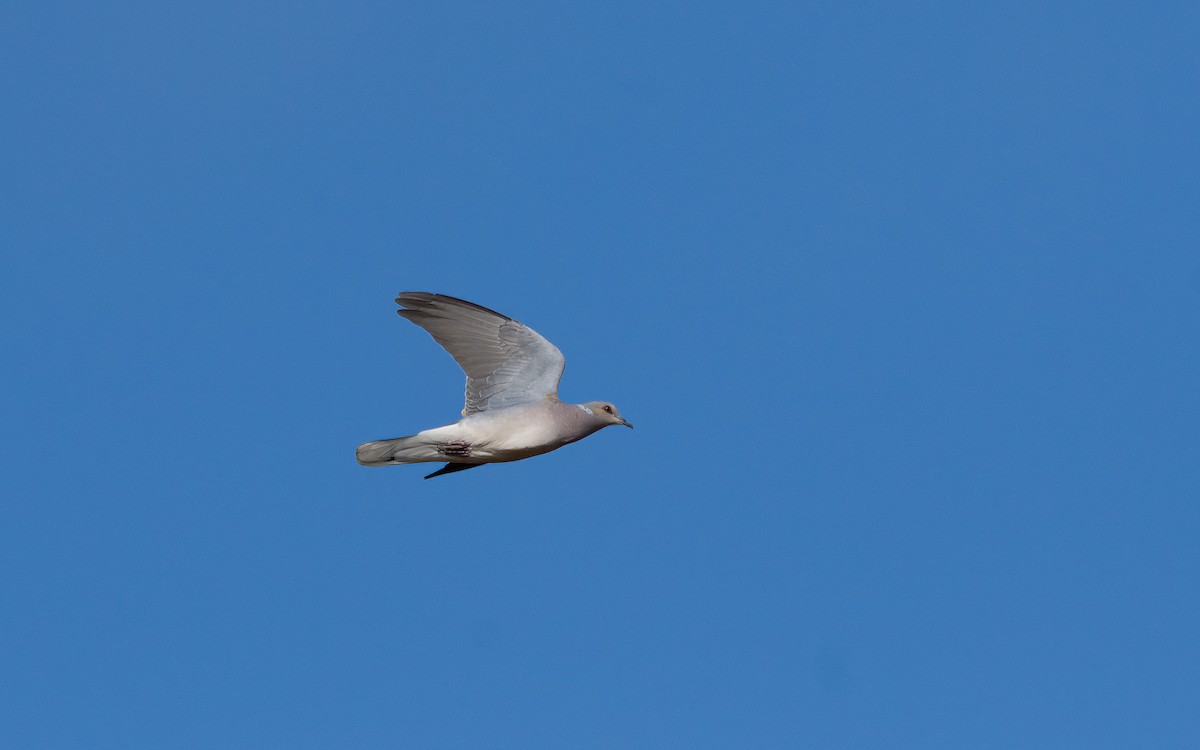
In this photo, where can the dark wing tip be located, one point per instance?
(418, 300)
(450, 469)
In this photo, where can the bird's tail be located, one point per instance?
(405, 450)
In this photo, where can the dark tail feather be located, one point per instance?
(451, 468)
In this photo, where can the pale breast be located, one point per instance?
(525, 429)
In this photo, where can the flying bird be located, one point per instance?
(512, 409)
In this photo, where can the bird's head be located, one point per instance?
(606, 413)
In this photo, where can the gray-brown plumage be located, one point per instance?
(511, 408)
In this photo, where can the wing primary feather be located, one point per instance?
(450, 469)
(506, 362)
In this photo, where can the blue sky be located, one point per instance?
(902, 299)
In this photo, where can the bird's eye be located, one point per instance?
(608, 409)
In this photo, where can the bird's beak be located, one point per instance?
(626, 423)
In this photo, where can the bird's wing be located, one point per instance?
(506, 362)
(450, 468)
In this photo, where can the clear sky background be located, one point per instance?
(902, 299)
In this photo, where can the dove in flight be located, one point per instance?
(512, 409)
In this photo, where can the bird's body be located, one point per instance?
(512, 409)
(507, 434)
